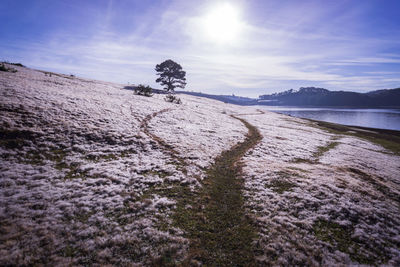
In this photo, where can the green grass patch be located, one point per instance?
(379, 186)
(98, 158)
(333, 233)
(153, 172)
(214, 217)
(298, 169)
(303, 160)
(58, 157)
(15, 139)
(389, 139)
(303, 123)
(279, 186)
(69, 251)
(340, 237)
(74, 172)
(321, 150)
(282, 183)
(109, 156)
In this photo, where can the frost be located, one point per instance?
(78, 172)
(317, 203)
(80, 178)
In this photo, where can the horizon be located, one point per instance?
(293, 90)
(246, 48)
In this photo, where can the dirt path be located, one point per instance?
(168, 149)
(212, 217)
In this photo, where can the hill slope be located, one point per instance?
(93, 174)
(311, 96)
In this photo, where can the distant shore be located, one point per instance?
(389, 139)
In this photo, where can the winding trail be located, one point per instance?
(168, 149)
(213, 217)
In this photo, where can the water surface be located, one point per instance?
(373, 118)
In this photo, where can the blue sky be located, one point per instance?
(275, 45)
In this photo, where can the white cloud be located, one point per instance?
(292, 48)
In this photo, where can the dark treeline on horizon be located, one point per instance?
(312, 96)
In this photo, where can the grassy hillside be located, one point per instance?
(91, 174)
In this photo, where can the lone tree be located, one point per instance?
(171, 75)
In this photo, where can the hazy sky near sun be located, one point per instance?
(244, 47)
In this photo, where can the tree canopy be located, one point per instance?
(171, 75)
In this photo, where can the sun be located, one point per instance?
(222, 23)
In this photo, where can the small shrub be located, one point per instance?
(4, 68)
(173, 99)
(16, 64)
(144, 90)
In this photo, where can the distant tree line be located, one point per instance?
(311, 96)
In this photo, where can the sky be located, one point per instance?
(241, 47)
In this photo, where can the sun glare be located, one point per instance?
(222, 23)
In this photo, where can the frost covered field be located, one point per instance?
(85, 166)
(319, 197)
(76, 166)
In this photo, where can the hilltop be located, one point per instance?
(92, 174)
(312, 96)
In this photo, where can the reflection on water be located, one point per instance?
(374, 118)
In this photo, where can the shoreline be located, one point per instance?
(355, 126)
(389, 139)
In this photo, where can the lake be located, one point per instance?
(373, 118)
